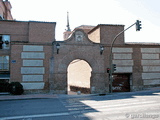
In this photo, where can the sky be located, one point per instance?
(94, 12)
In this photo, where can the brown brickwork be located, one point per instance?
(106, 33)
(35, 63)
(5, 10)
(137, 69)
(24, 36)
(15, 68)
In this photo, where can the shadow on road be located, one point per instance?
(86, 106)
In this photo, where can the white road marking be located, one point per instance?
(34, 116)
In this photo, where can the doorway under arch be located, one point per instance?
(78, 77)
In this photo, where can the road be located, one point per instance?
(118, 106)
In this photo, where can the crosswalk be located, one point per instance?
(77, 108)
(104, 108)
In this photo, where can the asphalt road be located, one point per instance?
(121, 106)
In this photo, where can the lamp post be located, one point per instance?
(51, 71)
(101, 50)
(138, 27)
(51, 78)
(57, 47)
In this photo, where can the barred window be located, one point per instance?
(4, 42)
(4, 63)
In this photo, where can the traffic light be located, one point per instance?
(113, 67)
(138, 25)
(108, 69)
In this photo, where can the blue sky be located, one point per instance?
(94, 12)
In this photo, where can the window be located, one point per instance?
(4, 42)
(4, 63)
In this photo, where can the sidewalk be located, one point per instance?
(29, 96)
(6, 96)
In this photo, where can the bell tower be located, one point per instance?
(67, 32)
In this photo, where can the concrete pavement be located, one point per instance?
(6, 96)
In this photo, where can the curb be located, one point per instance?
(112, 94)
(9, 97)
(27, 97)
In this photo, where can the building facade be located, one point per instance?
(138, 64)
(25, 51)
(5, 10)
(30, 55)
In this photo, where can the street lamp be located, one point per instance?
(57, 47)
(101, 50)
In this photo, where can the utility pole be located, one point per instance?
(113, 66)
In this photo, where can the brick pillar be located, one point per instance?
(137, 82)
(99, 83)
(60, 83)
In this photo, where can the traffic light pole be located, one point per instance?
(111, 57)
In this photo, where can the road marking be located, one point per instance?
(95, 106)
(35, 116)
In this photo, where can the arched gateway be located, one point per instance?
(78, 77)
(78, 46)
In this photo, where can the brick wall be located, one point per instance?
(37, 32)
(104, 34)
(30, 52)
(95, 35)
(5, 10)
(41, 32)
(151, 66)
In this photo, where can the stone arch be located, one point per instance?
(84, 51)
(97, 74)
(67, 59)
